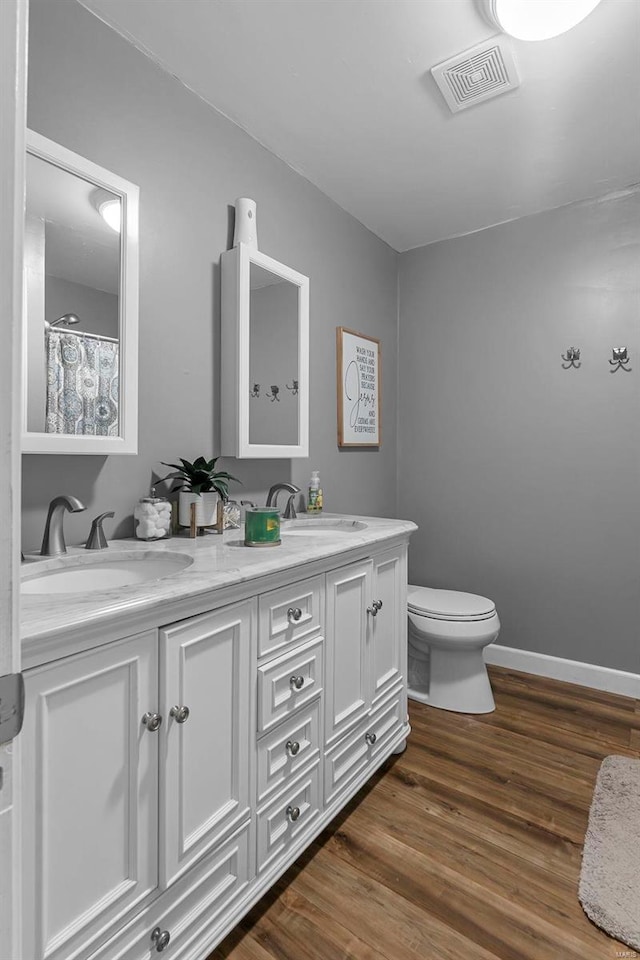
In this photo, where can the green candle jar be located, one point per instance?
(262, 527)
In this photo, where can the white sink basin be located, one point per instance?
(79, 574)
(321, 526)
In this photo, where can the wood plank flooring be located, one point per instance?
(466, 846)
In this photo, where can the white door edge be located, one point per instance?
(13, 70)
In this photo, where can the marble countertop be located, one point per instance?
(218, 561)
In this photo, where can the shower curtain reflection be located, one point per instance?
(82, 384)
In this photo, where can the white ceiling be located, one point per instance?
(80, 247)
(341, 90)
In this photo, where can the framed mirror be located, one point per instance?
(265, 357)
(80, 340)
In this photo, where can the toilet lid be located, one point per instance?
(449, 604)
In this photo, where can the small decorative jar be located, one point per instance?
(232, 515)
(262, 527)
(153, 517)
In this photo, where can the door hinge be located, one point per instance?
(11, 706)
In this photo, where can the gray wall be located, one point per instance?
(524, 478)
(98, 310)
(97, 95)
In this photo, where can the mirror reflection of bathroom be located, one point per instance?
(273, 359)
(72, 283)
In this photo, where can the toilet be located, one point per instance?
(448, 632)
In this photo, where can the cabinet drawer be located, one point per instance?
(287, 749)
(277, 830)
(277, 610)
(385, 721)
(288, 682)
(345, 761)
(351, 755)
(189, 909)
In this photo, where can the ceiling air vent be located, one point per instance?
(477, 74)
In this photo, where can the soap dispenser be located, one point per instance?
(314, 500)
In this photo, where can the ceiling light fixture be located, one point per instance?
(108, 205)
(536, 19)
(109, 210)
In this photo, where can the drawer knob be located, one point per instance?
(293, 813)
(160, 939)
(370, 738)
(180, 714)
(292, 747)
(152, 721)
(294, 614)
(297, 683)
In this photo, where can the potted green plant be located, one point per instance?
(200, 483)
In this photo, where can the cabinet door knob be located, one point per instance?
(180, 714)
(297, 682)
(373, 610)
(294, 614)
(160, 939)
(377, 604)
(293, 813)
(370, 738)
(292, 747)
(152, 721)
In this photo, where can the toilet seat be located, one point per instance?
(449, 605)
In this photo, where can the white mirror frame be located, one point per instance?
(235, 384)
(127, 440)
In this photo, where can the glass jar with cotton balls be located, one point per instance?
(152, 516)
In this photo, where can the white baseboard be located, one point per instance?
(572, 671)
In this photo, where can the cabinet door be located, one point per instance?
(347, 679)
(389, 626)
(90, 781)
(206, 666)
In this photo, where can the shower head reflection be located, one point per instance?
(66, 320)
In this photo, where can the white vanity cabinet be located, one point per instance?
(206, 683)
(125, 788)
(90, 795)
(366, 654)
(349, 595)
(387, 637)
(145, 835)
(290, 692)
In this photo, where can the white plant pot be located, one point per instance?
(206, 506)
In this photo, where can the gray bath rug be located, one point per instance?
(610, 877)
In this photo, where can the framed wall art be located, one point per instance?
(359, 394)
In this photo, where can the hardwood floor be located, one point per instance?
(466, 846)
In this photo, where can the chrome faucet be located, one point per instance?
(289, 512)
(97, 539)
(53, 540)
